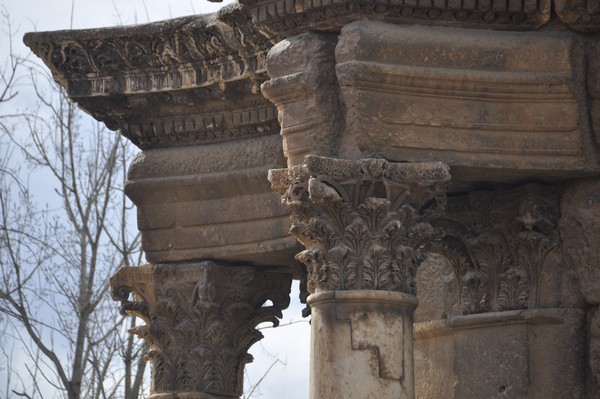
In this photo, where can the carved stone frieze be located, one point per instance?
(287, 17)
(200, 322)
(250, 117)
(579, 15)
(363, 223)
(187, 81)
(178, 53)
(281, 18)
(499, 245)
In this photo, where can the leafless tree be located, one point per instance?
(63, 232)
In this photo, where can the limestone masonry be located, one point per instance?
(429, 170)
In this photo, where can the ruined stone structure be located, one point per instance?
(428, 169)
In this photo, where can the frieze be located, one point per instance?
(285, 17)
(202, 48)
(499, 244)
(187, 81)
(200, 321)
(363, 223)
(281, 18)
(201, 129)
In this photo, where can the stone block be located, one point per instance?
(580, 232)
(495, 106)
(514, 354)
(304, 88)
(212, 202)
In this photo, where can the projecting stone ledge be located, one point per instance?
(168, 83)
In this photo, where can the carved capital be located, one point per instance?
(200, 322)
(504, 248)
(363, 222)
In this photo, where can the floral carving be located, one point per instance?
(202, 43)
(475, 295)
(498, 246)
(163, 84)
(200, 321)
(285, 18)
(363, 223)
(514, 289)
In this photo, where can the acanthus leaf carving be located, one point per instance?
(514, 289)
(499, 245)
(475, 292)
(364, 223)
(200, 321)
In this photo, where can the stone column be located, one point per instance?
(201, 320)
(363, 224)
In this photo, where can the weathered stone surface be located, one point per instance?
(361, 345)
(495, 106)
(498, 107)
(594, 86)
(288, 17)
(212, 202)
(187, 81)
(580, 233)
(504, 249)
(363, 223)
(438, 289)
(201, 319)
(594, 352)
(514, 354)
(304, 88)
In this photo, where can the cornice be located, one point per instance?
(174, 54)
(283, 18)
(186, 81)
(163, 83)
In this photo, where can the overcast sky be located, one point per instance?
(290, 344)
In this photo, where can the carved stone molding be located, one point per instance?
(182, 52)
(200, 322)
(305, 89)
(187, 81)
(500, 246)
(363, 223)
(287, 17)
(490, 104)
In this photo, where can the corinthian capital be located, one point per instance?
(200, 322)
(363, 222)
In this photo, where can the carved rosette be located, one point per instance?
(499, 244)
(363, 223)
(200, 322)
